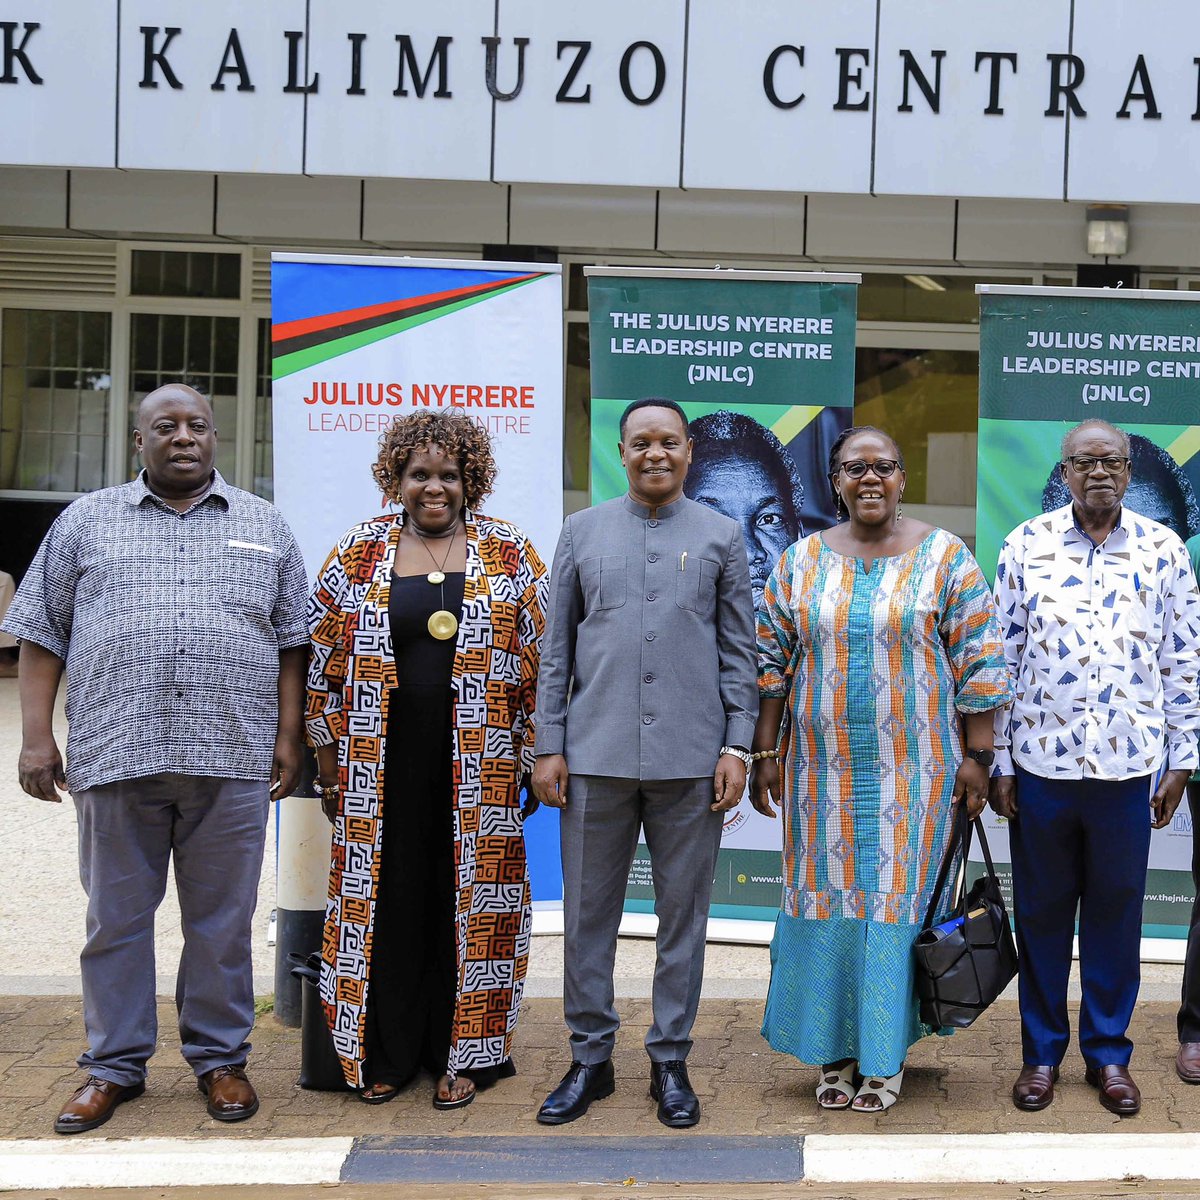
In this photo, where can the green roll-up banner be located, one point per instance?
(1048, 359)
(763, 365)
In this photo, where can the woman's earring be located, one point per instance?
(841, 510)
(899, 509)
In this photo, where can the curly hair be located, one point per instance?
(457, 434)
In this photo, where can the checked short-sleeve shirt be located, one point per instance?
(170, 625)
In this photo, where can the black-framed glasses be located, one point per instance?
(856, 468)
(1085, 464)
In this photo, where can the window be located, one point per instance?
(55, 387)
(929, 400)
(937, 299)
(577, 418)
(201, 351)
(196, 274)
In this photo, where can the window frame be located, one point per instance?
(121, 307)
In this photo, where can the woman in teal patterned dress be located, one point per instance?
(880, 660)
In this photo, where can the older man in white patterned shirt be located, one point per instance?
(1101, 621)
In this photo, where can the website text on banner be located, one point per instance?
(763, 364)
(1048, 359)
(359, 341)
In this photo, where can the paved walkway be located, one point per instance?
(758, 1105)
(953, 1085)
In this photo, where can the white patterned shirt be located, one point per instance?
(1103, 643)
(170, 625)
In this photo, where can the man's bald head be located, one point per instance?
(170, 391)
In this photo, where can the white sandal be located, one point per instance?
(885, 1088)
(837, 1079)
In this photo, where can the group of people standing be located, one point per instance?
(453, 685)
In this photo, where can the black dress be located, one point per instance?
(410, 1002)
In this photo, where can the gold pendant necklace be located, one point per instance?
(442, 624)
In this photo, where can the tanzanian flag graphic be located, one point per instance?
(320, 315)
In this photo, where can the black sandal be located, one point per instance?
(462, 1101)
(367, 1097)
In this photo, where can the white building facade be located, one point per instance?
(155, 152)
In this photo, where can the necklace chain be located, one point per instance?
(441, 566)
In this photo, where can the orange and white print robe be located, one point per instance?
(351, 674)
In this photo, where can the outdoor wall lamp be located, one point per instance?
(1107, 230)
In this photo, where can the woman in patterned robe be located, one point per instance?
(879, 656)
(426, 629)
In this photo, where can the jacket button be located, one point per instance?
(647, 720)
(648, 678)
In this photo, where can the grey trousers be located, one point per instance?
(128, 832)
(599, 830)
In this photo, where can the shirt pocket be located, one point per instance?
(604, 581)
(248, 578)
(696, 585)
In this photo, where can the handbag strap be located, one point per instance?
(987, 854)
(960, 835)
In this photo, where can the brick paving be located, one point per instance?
(953, 1085)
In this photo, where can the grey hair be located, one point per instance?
(1096, 423)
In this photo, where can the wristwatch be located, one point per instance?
(738, 752)
(984, 758)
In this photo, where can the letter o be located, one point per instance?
(660, 73)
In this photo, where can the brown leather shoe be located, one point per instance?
(1187, 1062)
(1034, 1089)
(93, 1103)
(231, 1096)
(1118, 1093)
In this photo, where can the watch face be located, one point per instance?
(984, 758)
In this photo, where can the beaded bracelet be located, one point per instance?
(764, 754)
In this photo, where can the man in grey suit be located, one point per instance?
(648, 692)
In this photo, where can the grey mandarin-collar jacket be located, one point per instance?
(648, 661)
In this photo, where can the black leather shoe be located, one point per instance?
(670, 1086)
(582, 1084)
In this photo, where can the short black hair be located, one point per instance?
(656, 402)
(835, 451)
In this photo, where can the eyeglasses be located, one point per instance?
(856, 468)
(1085, 464)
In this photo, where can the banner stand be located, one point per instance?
(1050, 358)
(762, 363)
(357, 342)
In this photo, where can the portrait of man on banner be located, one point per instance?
(776, 493)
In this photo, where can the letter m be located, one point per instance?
(408, 59)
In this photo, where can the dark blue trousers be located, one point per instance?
(1079, 843)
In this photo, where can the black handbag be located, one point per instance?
(320, 1069)
(966, 961)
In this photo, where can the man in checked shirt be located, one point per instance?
(176, 606)
(1101, 621)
